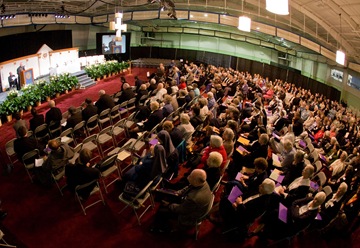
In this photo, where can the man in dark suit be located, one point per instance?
(18, 71)
(12, 80)
(138, 83)
(53, 115)
(197, 198)
(126, 94)
(37, 119)
(104, 102)
(142, 91)
(19, 122)
(24, 144)
(74, 118)
(89, 109)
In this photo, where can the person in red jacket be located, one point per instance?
(216, 145)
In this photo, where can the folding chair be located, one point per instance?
(41, 133)
(116, 96)
(108, 167)
(103, 138)
(199, 221)
(130, 121)
(322, 178)
(58, 175)
(130, 106)
(117, 130)
(318, 166)
(67, 136)
(122, 109)
(327, 190)
(54, 129)
(92, 124)
(138, 201)
(5, 244)
(77, 150)
(104, 117)
(9, 147)
(114, 113)
(28, 160)
(79, 130)
(90, 143)
(95, 190)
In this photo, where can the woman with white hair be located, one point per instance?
(212, 169)
(204, 110)
(211, 100)
(185, 127)
(228, 137)
(338, 166)
(301, 214)
(216, 145)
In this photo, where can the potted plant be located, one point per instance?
(9, 107)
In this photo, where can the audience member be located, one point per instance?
(36, 120)
(104, 102)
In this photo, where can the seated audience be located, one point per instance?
(89, 110)
(18, 123)
(82, 172)
(74, 118)
(24, 144)
(185, 127)
(36, 120)
(53, 115)
(175, 133)
(216, 145)
(104, 102)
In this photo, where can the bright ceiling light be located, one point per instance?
(340, 57)
(279, 7)
(244, 24)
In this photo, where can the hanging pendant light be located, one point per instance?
(244, 24)
(340, 55)
(279, 7)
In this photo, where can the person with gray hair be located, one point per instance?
(53, 115)
(300, 215)
(104, 102)
(298, 188)
(216, 145)
(212, 170)
(195, 203)
(127, 93)
(244, 210)
(185, 127)
(295, 169)
(228, 137)
(332, 205)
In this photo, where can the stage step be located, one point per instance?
(84, 80)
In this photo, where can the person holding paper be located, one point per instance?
(300, 215)
(244, 210)
(295, 169)
(298, 188)
(58, 158)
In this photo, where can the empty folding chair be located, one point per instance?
(118, 130)
(96, 190)
(67, 136)
(104, 118)
(116, 96)
(90, 143)
(77, 150)
(115, 114)
(130, 121)
(41, 133)
(130, 106)
(92, 124)
(28, 159)
(122, 109)
(58, 175)
(103, 139)
(318, 166)
(64, 117)
(322, 178)
(9, 147)
(54, 129)
(79, 131)
(107, 168)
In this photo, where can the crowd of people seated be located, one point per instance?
(277, 146)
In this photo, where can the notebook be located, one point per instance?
(302, 144)
(234, 194)
(153, 142)
(283, 213)
(123, 155)
(276, 176)
(314, 185)
(39, 162)
(276, 160)
(239, 176)
(243, 141)
(242, 150)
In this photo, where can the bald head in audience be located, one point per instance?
(197, 178)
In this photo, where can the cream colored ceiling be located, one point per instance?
(313, 20)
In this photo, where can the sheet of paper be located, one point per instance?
(243, 141)
(234, 194)
(123, 155)
(283, 213)
(276, 160)
(239, 176)
(39, 162)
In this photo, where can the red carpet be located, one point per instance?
(39, 217)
